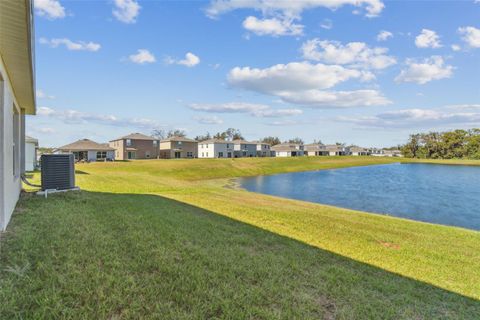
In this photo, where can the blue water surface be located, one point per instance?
(442, 194)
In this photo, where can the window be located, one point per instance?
(189, 154)
(220, 154)
(228, 146)
(101, 155)
(147, 154)
(129, 142)
(203, 155)
(16, 142)
(207, 154)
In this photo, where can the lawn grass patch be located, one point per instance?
(166, 238)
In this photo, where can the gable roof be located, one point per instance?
(314, 147)
(136, 136)
(286, 147)
(177, 138)
(85, 145)
(29, 139)
(216, 141)
(239, 141)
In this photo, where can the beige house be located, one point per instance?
(315, 149)
(288, 150)
(135, 146)
(357, 151)
(88, 150)
(336, 150)
(17, 98)
(178, 148)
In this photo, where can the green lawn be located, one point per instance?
(175, 239)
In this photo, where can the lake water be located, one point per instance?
(441, 194)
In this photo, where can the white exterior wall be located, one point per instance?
(10, 182)
(92, 155)
(213, 150)
(30, 156)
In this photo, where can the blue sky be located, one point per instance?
(365, 72)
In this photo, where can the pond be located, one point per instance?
(442, 194)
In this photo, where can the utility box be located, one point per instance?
(58, 171)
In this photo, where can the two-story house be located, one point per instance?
(136, 146)
(288, 150)
(244, 149)
(315, 149)
(215, 148)
(263, 149)
(178, 147)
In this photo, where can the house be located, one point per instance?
(244, 149)
(31, 147)
(17, 98)
(263, 149)
(392, 153)
(336, 150)
(178, 147)
(215, 148)
(288, 150)
(315, 149)
(376, 152)
(88, 150)
(357, 151)
(135, 146)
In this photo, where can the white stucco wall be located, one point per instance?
(30, 156)
(213, 150)
(10, 182)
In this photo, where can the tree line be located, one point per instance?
(456, 144)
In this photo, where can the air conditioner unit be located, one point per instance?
(58, 171)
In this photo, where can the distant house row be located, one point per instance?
(140, 146)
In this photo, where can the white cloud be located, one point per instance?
(40, 94)
(142, 56)
(272, 26)
(42, 130)
(50, 9)
(71, 45)
(335, 99)
(428, 39)
(208, 119)
(190, 60)
(471, 36)
(305, 84)
(355, 54)
(448, 115)
(256, 110)
(384, 35)
(279, 17)
(326, 24)
(294, 76)
(291, 8)
(456, 47)
(78, 117)
(126, 10)
(429, 69)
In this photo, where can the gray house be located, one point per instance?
(242, 149)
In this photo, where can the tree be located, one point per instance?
(206, 136)
(454, 144)
(229, 134)
(296, 140)
(271, 140)
(176, 133)
(159, 134)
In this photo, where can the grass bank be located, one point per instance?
(168, 238)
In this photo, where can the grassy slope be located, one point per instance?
(167, 257)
